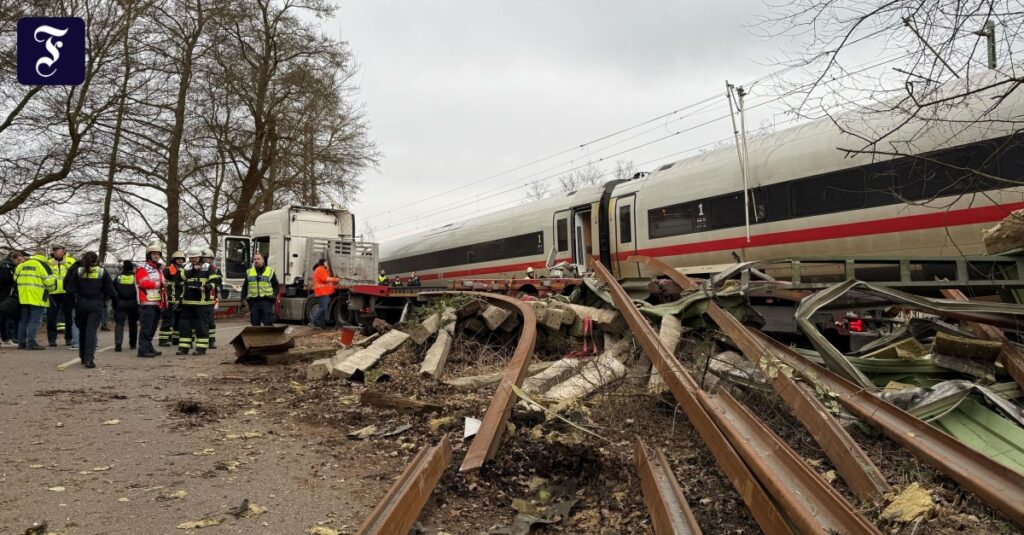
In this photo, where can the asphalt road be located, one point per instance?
(107, 450)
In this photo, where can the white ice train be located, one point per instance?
(807, 199)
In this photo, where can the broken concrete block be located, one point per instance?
(469, 309)
(510, 323)
(669, 333)
(595, 374)
(422, 332)
(1007, 235)
(556, 373)
(494, 316)
(552, 318)
(474, 382)
(436, 357)
(318, 369)
(449, 317)
(365, 359)
(607, 320)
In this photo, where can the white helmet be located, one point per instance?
(208, 253)
(155, 247)
(194, 252)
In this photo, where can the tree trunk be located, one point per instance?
(115, 143)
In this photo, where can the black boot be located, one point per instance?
(164, 343)
(90, 364)
(182, 351)
(117, 348)
(199, 352)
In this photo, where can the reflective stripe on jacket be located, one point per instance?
(150, 280)
(60, 270)
(35, 281)
(258, 284)
(195, 290)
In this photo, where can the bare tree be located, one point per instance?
(624, 170)
(581, 177)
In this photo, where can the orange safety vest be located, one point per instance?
(323, 283)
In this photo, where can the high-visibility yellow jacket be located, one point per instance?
(60, 270)
(35, 281)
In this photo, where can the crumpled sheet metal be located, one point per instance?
(987, 432)
(931, 403)
(1001, 488)
(983, 312)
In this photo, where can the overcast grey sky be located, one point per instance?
(456, 91)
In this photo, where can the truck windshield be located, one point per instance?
(237, 257)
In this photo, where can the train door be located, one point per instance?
(562, 232)
(582, 240)
(624, 235)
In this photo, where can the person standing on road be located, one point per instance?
(152, 299)
(208, 258)
(174, 276)
(10, 309)
(127, 308)
(323, 289)
(260, 290)
(35, 280)
(196, 304)
(89, 287)
(59, 314)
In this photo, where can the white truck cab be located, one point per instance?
(292, 240)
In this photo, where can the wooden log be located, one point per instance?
(376, 399)
(968, 348)
(556, 373)
(607, 320)
(365, 359)
(433, 363)
(598, 373)
(422, 332)
(669, 333)
(475, 382)
(1007, 235)
(494, 316)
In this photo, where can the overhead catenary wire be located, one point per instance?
(477, 198)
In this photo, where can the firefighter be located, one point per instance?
(174, 276)
(59, 313)
(196, 304)
(414, 280)
(35, 281)
(152, 298)
(89, 287)
(208, 258)
(260, 290)
(10, 310)
(127, 307)
(382, 278)
(323, 289)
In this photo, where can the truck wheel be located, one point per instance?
(341, 314)
(312, 305)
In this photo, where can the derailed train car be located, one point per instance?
(807, 198)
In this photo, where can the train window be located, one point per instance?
(562, 231)
(727, 211)
(672, 220)
(827, 194)
(625, 224)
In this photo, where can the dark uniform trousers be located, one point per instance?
(169, 326)
(126, 313)
(87, 316)
(261, 312)
(60, 311)
(212, 328)
(149, 315)
(195, 326)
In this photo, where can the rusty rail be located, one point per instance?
(398, 510)
(488, 438)
(670, 513)
(743, 447)
(856, 468)
(998, 486)
(1010, 356)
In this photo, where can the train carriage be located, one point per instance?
(806, 198)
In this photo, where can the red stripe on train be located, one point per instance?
(952, 218)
